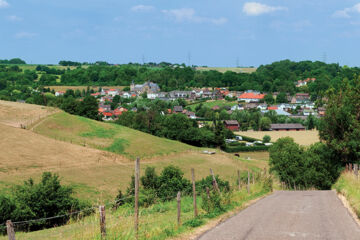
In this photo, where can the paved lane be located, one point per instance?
(290, 215)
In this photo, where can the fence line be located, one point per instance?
(137, 213)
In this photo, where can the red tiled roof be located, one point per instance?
(273, 108)
(251, 96)
(107, 114)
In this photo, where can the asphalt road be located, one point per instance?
(290, 215)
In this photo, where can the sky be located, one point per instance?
(224, 33)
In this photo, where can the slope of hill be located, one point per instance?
(57, 145)
(16, 114)
(107, 136)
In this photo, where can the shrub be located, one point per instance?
(208, 182)
(47, 198)
(150, 180)
(266, 139)
(212, 203)
(195, 222)
(171, 181)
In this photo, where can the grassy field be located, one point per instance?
(225, 69)
(106, 136)
(156, 222)
(95, 88)
(98, 169)
(349, 186)
(213, 103)
(16, 114)
(305, 138)
(97, 175)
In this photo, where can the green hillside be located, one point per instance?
(107, 136)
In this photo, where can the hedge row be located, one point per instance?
(232, 149)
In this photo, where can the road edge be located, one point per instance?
(197, 233)
(348, 206)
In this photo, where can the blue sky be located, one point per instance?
(212, 33)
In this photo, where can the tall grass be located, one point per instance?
(349, 185)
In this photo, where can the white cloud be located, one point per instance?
(256, 9)
(346, 13)
(22, 35)
(4, 4)
(14, 18)
(142, 8)
(189, 15)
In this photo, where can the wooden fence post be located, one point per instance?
(137, 176)
(265, 171)
(194, 192)
(239, 179)
(248, 182)
(216, 187)
(102, 222)
(10, 230)
(253, 178)
(178, 198)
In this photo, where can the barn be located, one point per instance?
(287, 127)
(232, 125)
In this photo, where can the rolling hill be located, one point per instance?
(105, 164)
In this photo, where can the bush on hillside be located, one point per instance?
(45, 199)
(201, 185)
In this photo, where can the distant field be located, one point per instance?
(301, 137)
(225, 69)
(95, 88)
(213, 103)
(16, 114)
(33, 66)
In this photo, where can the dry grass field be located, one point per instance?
(305, 138)
(105, 164)
(225, 69)
(96, 174)
(95, 88)
(17, 114)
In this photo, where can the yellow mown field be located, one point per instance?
(305, 138)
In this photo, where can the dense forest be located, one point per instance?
(17, 82)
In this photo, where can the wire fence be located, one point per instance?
(118, 222)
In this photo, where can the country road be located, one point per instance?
(290, 215)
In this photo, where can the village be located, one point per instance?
(298, 106)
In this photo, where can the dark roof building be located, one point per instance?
(287, 127)
(232, 125)
(178, 109)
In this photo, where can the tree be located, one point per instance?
(281, 98)
(265, 123)
(310, 122)
(171, 180)
(266, 139)
(89, 108)
(269, 99)
(340, 127)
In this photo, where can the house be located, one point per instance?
(251, 106)
(104, 108)
(107, 116)
(179, 94)
(59, 93)
(304, 82)
(237, 107)
(152, 95)
(251, 97)
(95, 94)
(273, 108)
(232, 125)
(190, 115)
(178, 109)
(287, 127)
(321, 111)
(300, 98)
(112, 92)
(118, 111)
(148, 87)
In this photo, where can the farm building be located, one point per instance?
(287, 127)
(232, 125)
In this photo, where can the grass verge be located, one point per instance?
(349, 186)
